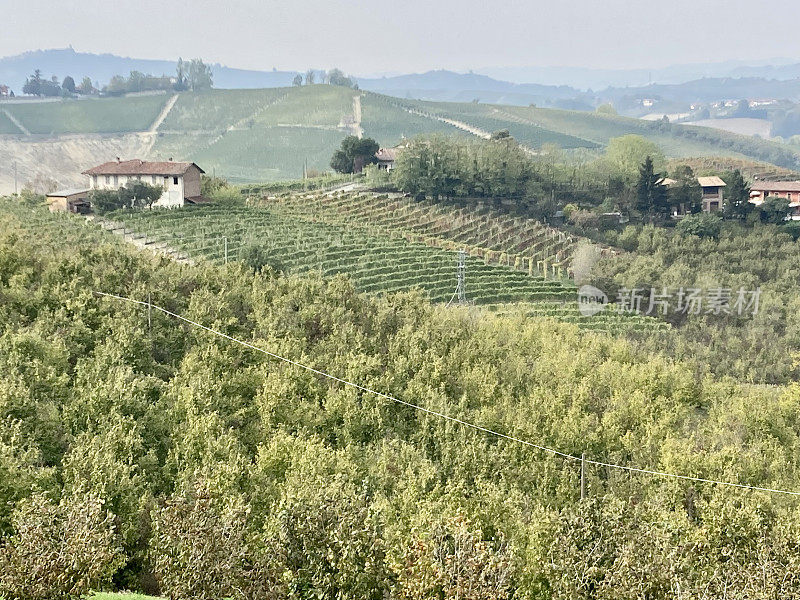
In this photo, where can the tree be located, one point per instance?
(200, 75)
(625, 154)
(651, 194)
(737, 197)
(59, 550)
(686, 192)
(138, 194)
(180, 76)
(354, 154)
(135, 194)
(33, 84)
(774, 209)
(606, 109)
(68, 85)
(311, 76)
(298, 80)
(86, 86)
(337, 77)
(704, 225)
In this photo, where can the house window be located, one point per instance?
(94, 180)
(175, 181)
(153, 179)
(116, 179)
(108, 179)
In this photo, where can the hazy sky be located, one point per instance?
(410, 35)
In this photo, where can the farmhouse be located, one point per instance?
(180, 180)
(75, 201)
(712, 199)
(712, 193)
(386, 158)
(760, 190)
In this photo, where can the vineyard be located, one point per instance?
(382, 249)
(96, 115)
(377, 263)
(519, 243)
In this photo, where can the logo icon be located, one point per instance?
(591, 300)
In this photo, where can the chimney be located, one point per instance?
(118, 159)
(170, 159)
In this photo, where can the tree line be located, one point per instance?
(192, 75)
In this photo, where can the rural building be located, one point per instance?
(180, 180)
(75, 201)
(712, 200)
(790, 190)
(712, 193)
(386, 158)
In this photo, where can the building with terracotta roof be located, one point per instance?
(180, 180)
(761, 190)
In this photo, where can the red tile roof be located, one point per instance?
(775, 186)
(140, 167)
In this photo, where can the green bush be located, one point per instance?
(704, 225)
(59, 550)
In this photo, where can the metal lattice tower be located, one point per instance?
(461, 272)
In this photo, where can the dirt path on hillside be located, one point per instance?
(357, 129)
(476, 131)
(14, 120)
(163, 114)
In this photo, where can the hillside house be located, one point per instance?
(712, 193)
(74, 201)
(180, 180)
(790, 190)
(386, 158)
(712, 199)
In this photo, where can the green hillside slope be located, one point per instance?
(270, 134)
(97, 115)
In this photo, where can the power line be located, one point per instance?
(362, 388)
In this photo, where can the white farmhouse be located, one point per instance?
(180, 180)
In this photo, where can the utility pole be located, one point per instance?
(149, 313)
(15, 178)
(583, 475)
(226, 249)
(461, 272)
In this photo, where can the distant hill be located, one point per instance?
(447, 86)
(680, 85)
(102, 67)
(585, 78)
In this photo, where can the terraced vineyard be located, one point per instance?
(377, 262)
(610, 319)
(380, 257)
(522, 244)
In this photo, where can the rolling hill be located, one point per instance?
(271, 133)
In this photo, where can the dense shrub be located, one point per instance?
(59, 550)
(704, 225)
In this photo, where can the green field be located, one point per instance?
(97, 115)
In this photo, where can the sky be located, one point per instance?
(368, 37)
